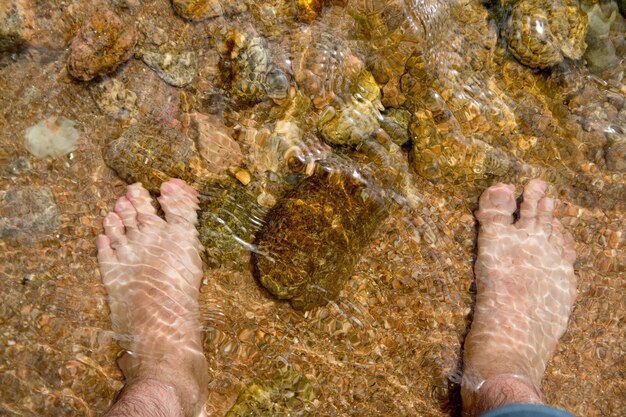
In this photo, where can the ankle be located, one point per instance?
(147, 397)
(498, 391)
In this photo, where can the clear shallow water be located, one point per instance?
(294, 92)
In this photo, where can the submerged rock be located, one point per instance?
(287, 393)
(114, 99)
(18, 166)
(14, 32)
(602, 49)
(53, 137)
(27, 214)
(253, 76)
(197, 9)
(152, 154)
(177, 69)
(351, 120)
(308, 10)
(615, 152)
(102, 44)
(228, 220)
(396, 123)
(541, 33)
(215, 143)
(323, 65)
(316, 234)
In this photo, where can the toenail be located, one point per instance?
(167, 187)
(548, 204)
(134, 192)
(499, 196)
(122, 204)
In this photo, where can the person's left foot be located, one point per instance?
(152, 270)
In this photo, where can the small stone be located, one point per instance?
(19, 166)
(614, 239)
(615, 152)
(128, 4)
(178, 69)
(53, 137)
(308, 10)
(113, 99)
(13, 30)
(215, 143)
(27, 213)
(243, 176)
(396, 123)
(266, 200)
(102, 44)
(198, 9)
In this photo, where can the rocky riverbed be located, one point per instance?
(346, 141)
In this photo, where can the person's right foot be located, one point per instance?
(525, 291)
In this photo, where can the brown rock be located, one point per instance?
(197, 9)
(102, 44)
(215, 143)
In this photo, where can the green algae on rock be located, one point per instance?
(316, 234)
(287, 393)
(177, 69)
(228, 220)
(102, 44)
(541, 33)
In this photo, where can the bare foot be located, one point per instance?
(151, 269)
(526, 289)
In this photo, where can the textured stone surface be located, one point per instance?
(102, 44)
(27, 214)
(542, 33)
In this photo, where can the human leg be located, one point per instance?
(526, 289)
(152, 270)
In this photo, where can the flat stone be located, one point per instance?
(27, 214)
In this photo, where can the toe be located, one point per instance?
(186, 187)
(556, 236)
(179, 202)
(569, 247)
(496, 205)
(545, 207)
(105, 251)
(114, 230)
(533, 192)
(127, 212)
(142, 202)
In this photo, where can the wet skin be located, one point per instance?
(151, 269)
(525, 291)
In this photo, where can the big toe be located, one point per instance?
(533, 192)
(179, 202)
(496, 205)
(140, 198)
(545, 208)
